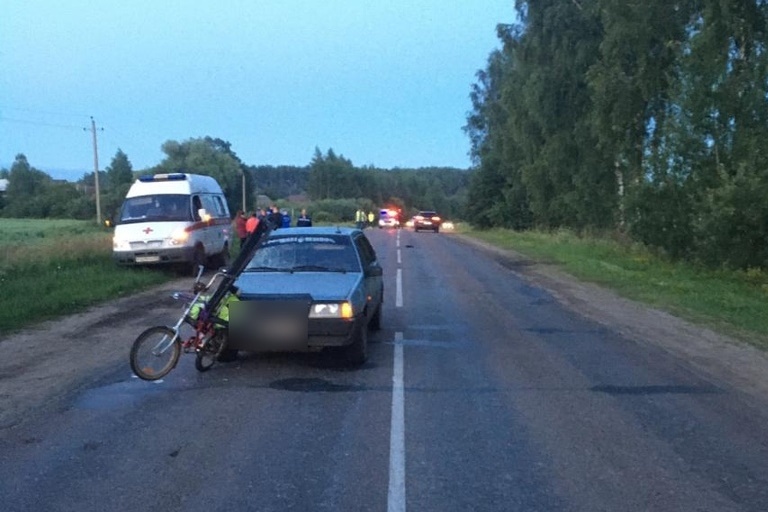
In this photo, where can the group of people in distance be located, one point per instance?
(276, 219)
(363, 220)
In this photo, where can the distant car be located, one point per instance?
(389, 219)
(427, 220)
(309, 288)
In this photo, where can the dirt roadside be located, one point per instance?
(41, 366)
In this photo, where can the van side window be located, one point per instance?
(220, 209)
(212, 206)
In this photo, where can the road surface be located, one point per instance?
(483, 391)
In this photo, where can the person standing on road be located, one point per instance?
(240, 229)
(304, 220)
(277, 218)
(251, 224)
(370, 219)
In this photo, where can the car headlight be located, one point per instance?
(331, 310)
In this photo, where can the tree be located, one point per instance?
(331, 176)
(120, 170)
(208, 156)
(119, 177)
(26, 186)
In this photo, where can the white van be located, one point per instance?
(173, 218)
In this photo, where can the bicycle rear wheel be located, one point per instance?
(155, 353)
(209, 353)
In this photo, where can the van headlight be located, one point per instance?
(179, 237)
(331, 310)
(120, 244)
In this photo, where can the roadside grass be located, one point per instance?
(732, 302)
(50, 268)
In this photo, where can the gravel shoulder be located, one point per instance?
(43, 365)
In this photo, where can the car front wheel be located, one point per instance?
(375, 323)
(356, 353)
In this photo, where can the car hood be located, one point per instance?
(320, 285)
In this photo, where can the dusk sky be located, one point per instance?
(384, 83)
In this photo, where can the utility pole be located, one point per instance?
(244, 210)
(96, 171)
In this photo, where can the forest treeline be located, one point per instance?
(329, 184)
(649, 119)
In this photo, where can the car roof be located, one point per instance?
(316, 230)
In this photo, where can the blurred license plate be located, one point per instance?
(147, 259)
(277, 324)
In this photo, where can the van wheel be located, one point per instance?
(222, 259)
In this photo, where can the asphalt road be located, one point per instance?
(482, 393)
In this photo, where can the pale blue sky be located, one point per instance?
(385, 83)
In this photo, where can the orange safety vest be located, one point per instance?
(250, 224)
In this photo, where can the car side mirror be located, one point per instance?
(203, 214)
(374, 270)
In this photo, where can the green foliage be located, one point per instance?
(338, 210)
(332, 177)
(645, 117)
(32, 193)
(54, 267)
(208, 156)
(279, 181)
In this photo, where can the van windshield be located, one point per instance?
(159, 208)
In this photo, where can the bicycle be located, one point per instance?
(157, 350)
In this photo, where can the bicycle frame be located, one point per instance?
(209, 338)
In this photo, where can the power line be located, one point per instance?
(47, 112)
(39, 123)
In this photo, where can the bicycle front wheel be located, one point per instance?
(155, 353)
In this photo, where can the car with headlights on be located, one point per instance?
(426, 220)
(307, 289)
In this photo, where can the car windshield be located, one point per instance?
(316, 253)
(165, 207)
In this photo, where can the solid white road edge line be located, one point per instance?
(396, 493)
